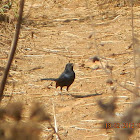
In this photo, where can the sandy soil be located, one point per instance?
(55, 33)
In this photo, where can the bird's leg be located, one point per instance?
(61, 90)
(62, 99)
(68, 90)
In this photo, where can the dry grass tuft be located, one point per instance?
(38, 113)
(123, 126)
(19, 130)
(14, 110)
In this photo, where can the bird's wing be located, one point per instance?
(63, 76)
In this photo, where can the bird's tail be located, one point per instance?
(51, 79)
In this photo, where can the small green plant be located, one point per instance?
(5, 7)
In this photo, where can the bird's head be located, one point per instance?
(69, 66)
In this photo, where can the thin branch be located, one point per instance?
(55, 123)
(13, 49)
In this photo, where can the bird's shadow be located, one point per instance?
(85, 96)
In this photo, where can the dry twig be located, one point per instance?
(13, 49)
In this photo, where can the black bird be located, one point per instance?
(66, 78)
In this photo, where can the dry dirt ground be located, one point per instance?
(57, 32)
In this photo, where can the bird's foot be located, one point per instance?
(69, 93)
(58, 93)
